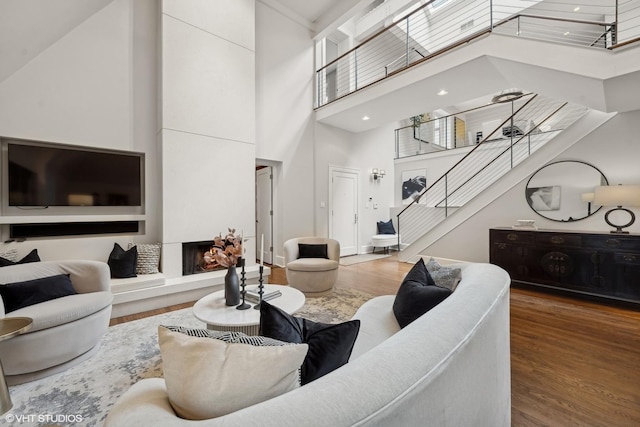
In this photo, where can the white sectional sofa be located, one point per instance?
(450, 367)
(65, 331)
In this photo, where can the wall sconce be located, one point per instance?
(618, 196)
(588, 197)
(377, 173)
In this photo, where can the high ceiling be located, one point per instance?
(28, 27)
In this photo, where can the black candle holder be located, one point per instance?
(260, 289)
(243, 292)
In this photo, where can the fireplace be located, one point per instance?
(193, 258)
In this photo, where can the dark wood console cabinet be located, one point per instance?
(597, 264)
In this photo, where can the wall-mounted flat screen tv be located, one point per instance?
(43, 175)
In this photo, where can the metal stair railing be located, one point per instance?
(430, 135)
(534, 121)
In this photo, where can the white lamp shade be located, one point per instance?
(588, 197)
(617, 195)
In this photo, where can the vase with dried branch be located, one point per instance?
(226, 252)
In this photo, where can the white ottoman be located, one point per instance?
(384, 241)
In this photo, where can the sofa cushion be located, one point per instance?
(330, 345)
(64, 310)
(386, 227)
(208, 378)
(22, 294)
(306, 250)
(123, 263)
(312, 264)
(417, 295)
(30, 257)
(445, 277)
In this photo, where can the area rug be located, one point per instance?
(357, 259)
(83, 395)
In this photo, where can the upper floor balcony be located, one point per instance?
(430, 29)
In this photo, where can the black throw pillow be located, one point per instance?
(386, 227)
(123, 263)
(30, 257)
(330, 345)
(313, 251)
(22, 294)
(417, 294)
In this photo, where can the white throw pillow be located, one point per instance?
(208, 378)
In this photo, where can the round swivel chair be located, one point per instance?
(314, 275)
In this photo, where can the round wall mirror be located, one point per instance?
(563, 191)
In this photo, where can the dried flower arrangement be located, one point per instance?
(225, 252)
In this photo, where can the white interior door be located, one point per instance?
(264, 213)
(343, 219)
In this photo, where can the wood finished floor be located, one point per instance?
(573, 362)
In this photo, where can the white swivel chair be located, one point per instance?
(314, 276)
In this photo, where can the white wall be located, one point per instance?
(207, 124)
(95, 86)
(363, 151)
(284, 120)
(613, 148)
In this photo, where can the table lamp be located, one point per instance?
(618, 196)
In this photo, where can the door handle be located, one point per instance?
(355, 218)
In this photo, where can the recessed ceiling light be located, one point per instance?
(442, 92)
(566, 33)
(365, 117)
(577, 8)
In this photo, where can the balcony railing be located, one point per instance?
(432, 30)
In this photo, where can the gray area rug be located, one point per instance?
(83, 395)
(357, 259)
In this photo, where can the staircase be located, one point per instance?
(536, 121)
(489, 171)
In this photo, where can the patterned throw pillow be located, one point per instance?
(10, 254)
(30, 257)
(208, 378)
(445, 277)
(226, 336)
(148, 257)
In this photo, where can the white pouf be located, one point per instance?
(384, 241)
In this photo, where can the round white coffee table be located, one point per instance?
(218, 316)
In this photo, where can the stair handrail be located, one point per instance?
(503, 152)
(375, 35)
(415, 201)
(553, 18)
